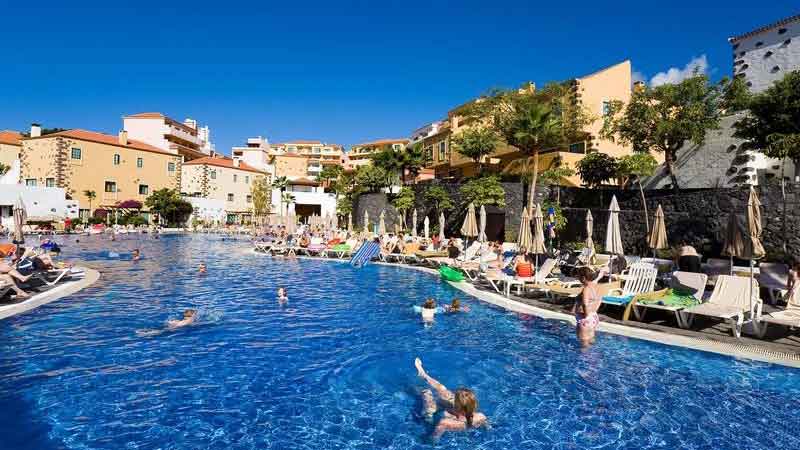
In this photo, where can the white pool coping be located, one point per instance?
(734, 350)
(60, 291)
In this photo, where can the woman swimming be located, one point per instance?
(188, 318)
(460, 408)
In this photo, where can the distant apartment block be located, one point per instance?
(361, 154)
(115, 168)
(180, 138)
(766, 54)
(227, 180)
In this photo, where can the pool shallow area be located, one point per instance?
(334, 368)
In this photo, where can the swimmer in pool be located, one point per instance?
(455, 307)
(459, 408)
(201, 268)
(188, 318)
(135, 254)
(283, 297)
(428, 310)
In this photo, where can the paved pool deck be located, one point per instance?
(50, 294)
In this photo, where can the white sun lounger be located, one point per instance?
(774, 277)
(731, 302)
(640, 279)
(789, 317)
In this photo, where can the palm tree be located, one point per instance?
(280, 183)
(287, 198)
(412, 160)
(91, 195)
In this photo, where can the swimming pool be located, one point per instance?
(334, 369)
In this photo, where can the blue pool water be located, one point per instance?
(334, 369)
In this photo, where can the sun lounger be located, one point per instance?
(640, 279)
(682, 284)
(262, 247)
(789, 317)
(774, 277)
(731, 301)
(542, 278)
(5, 288)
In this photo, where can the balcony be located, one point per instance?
(315, 169)
(182, 134)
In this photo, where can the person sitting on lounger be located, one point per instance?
(8, 279)
(687, 258)
(460, 408)
(188, 318)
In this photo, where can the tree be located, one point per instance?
(412, 160)
(484, 191)
(280, 183)
(329, 173)
(390, 162)
(261, 193)
(555, 174)
(372, 178)
(663, 118)
(286, 199)
(344, 206)
(4, 168)
(439, 197)
(635, 167)
(596, 168)
(772, 123)
(533, 120)
(168, 205)
(735, 95)
(404, 201)
(90, 195)
(475, 143)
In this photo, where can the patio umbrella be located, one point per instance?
(734, 241)
(366, 221)
(291, 223)
(382, 224)
(414, 223)
(20, 216)
(482, 225)
(658, 234)
(589, 230)
(524, 240)
(441, 227)
(350, 222)
(537, 246)
(755, 249)
(426, 227)
(470, 226)
(613, 233)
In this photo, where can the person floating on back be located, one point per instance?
(460, 407)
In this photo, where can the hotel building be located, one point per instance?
(10, 147)
(766, 54)
(116, 168)
(361, 154)
(180, 138)
(594, 92)
(227, 180)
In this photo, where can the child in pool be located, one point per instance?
(283, 298)
(428, 310)
(460, 408)
(135, 254)
(188, 318)
(455, 307)
(202, 268)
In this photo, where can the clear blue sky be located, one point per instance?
(335, 71)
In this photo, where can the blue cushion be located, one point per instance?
(612, 300)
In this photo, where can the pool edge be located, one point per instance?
(56, 293)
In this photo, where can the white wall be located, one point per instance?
(207, 209)
(752, 60)
(12, 176)
(39, 201)
(150, 131)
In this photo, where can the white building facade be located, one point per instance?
(181, 138)
(38, 201)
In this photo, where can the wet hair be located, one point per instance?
(585, 274)
(455, 304)
(466, 403)
(189, 313)
(429, 304)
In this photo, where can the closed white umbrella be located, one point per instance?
(366, 221)
(537, 246)
(482, 225)
(657, 240)
(414, 223)
(20, 217)
(441, 227)
(470, 226)
(589, 230)
(427, 227)
(613, 232)
(524, 239)
(350, 222)
(382, 224)
(291, 223)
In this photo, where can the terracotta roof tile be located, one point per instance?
(382, 141)
(146, 115)
(93, 136)
(222, 162)
(10, 137)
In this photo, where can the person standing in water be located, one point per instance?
(283, 297)
(585, 309)
(202, 268)
(136, 255)
(460, 408)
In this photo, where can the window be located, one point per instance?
(139, 162)
(744, 67)
(759, 44)
(775, 69)
(442, 151)
(735, 46)
(76, 153)
(605, 108)
(230, 197)
(50, 182)
(235, 178)
(117, 159)
(782, 31)
(429, 153)
(144, 189)
(171, 167)
(30, 182)
(786, 42)
(247, 179)
(768, 54)
(742, 53)
(213, 174)
(396, 147)
(111, 186)
(578, 147)
(249, 199)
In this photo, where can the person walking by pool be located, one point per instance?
(189, 317)
(460, 408)
(586, 305)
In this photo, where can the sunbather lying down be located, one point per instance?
(8, 281)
